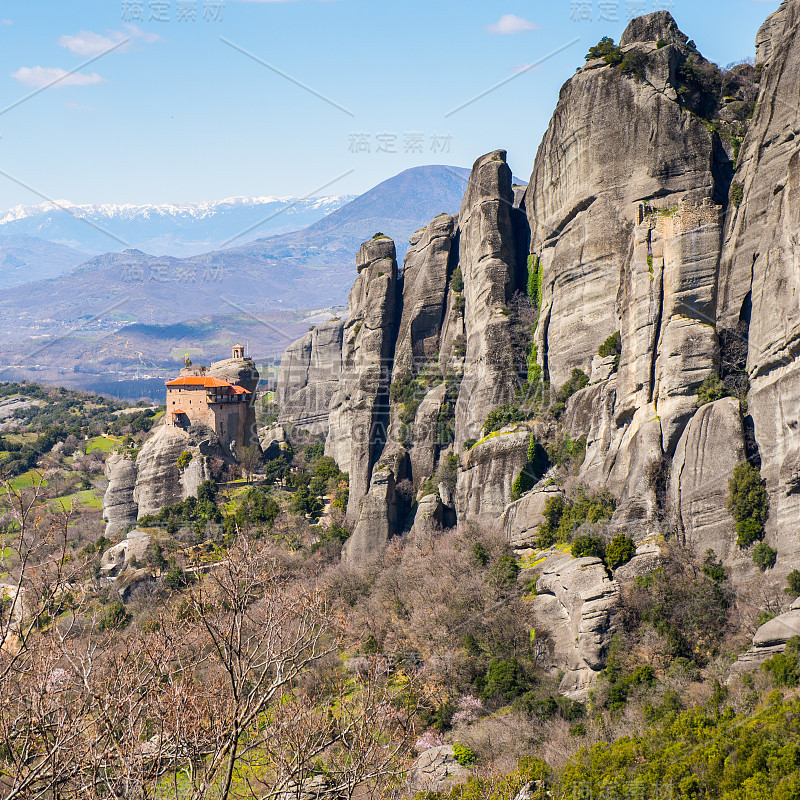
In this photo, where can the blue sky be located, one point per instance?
(185, 109)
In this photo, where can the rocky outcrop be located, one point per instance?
(119, 508)
(759, 279)
(613, 142)
(573, 604)
(159, 481)
(308, 377)
(521, 519)
(435, 770)
(770, 639)
(359, 410)
(487, 473)
(711, 446)
(132, 547)
(425, 278)
(488, 261)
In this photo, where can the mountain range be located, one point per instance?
(88, 322)
(174, 229)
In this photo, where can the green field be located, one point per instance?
(26, 480)
(103, 443)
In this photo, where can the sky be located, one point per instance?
(156, 101)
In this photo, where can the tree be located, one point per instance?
(249, 460)
(748, 503)
(620, 551)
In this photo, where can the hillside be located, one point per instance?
(279, 280)
(24, 259)
(521, 524)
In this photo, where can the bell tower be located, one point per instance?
(238, 351)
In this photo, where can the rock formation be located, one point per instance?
(647, 246)
(119, 508)
(309, 376)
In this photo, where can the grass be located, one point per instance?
(27, 479)
(104, 444)
(86, 498)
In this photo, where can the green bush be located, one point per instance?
(504, 415)
(464, 755)
(503, 572)
(711, 390)
(620, 551)
(748, 503)
(634, 64)
(784, 668)
(504, 680)
(577, 381)
(793, 581)
(115, 617)
(764, 556)
(611, 346)
(607, 50)
(714, 568)
(184, 459)
(535, 275)
(457, 281)
(592, 546)
(562, 517)
(737, 193)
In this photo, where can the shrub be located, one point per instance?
(184, 459)
(784, 668)
(611, 346)
(448, 471)
(504, 415)
(661, 43)
(714, 568)
(748, 503)
(711, 390)
(535, 275)
(577, 380)
(620, 551)
(504, 679)
(607, 50)
(503, 572)
(457, 281)
(585, 546)
(793, 579)
(737, 193)
(562, 517)
(464, 755)
(764, 556)
(115, 617)
(634, 63)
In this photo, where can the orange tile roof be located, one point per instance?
(178, 411)
(208, 383)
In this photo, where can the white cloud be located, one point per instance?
(511, 23)
(6, 22)
(87, 44)
(39, 77)
(77, 106)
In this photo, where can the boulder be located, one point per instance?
(770, 639)
(573, 604)
(120, 555)
(521, 519)
(434, 771)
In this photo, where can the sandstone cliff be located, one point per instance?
(640, 241)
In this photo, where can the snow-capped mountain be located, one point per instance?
(174, 229)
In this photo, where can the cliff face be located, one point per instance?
(309, 376)
(612, 144)
(638, 235)
(759, 276)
